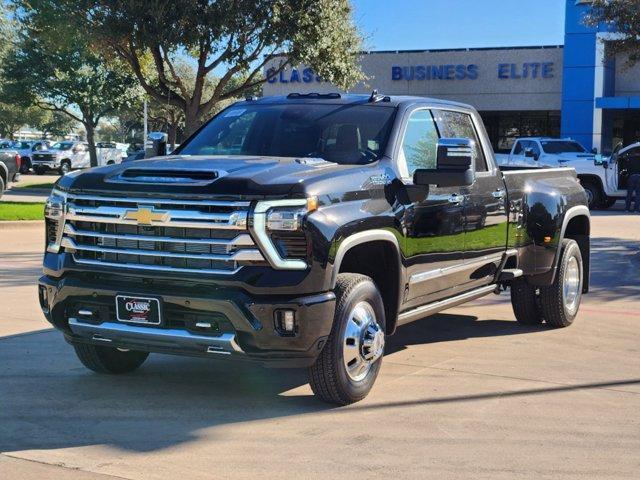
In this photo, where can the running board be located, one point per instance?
(435, 307)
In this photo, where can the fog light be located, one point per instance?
(285, 322)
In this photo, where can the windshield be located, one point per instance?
(562, 147)
(62, 146)
(347, 134)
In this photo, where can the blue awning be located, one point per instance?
(617, 103)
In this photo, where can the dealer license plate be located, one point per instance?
(138, 310)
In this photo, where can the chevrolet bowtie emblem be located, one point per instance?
(146, 216)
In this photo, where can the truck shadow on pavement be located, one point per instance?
(49, 400)
(615, 269)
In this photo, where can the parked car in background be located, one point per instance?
(135, 155)
(603, 187)
(5, 143)
(26, 149)
(63, 157)
(9, 168)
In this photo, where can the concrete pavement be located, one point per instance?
(464, 394)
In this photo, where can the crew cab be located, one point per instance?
(301, 231)
(62, 156)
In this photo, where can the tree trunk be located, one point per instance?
(172, 132)
(191, 121)
(93, 156)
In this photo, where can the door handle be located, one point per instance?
(456, 198)
(498, 194)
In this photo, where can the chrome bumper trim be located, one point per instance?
(121, 333)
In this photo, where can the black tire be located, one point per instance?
(594, 195)
(555, 309)
(39, 170)
(328, 376)
(608, 202)
(2, 186)
(525, 302)
(108, 359)
(65, 167)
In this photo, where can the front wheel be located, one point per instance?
(348, 365)
(593, 195)
(108, 359)
(560, 300)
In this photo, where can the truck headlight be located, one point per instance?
(275, 219)
(54, 213)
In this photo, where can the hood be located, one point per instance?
(207, 175)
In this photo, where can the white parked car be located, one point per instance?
(599, 175)
(63, 157)
(26, 150)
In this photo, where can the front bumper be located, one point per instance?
(50, 164)
(245, 325)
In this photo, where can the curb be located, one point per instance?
(17, 224)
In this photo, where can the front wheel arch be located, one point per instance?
(376, 245)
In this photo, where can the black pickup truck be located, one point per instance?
(300, 231)
(9, 168)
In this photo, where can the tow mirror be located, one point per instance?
(156, 145)
(454, 165)
(601, 161)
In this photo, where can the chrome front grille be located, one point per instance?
(159, 234)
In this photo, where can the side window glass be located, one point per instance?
(536, 148)
(460, 125)
(518, 150)
(420, 142)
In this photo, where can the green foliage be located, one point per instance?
(239, 38)
(56, 67)
(624, 17)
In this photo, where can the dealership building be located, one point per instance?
(573, 90)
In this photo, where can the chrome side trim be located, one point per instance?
(153, 268)
(160, 337)
(441, 272)
(435, 307)
(239, 256)
(242, 240)
(157, 201)
(262, 237)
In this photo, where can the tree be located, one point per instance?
(55, 67)
(13, 116)
(624, 16)
(235, 37)
(57, 124)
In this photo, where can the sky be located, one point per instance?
(435, 24)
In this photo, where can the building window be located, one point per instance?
(505, 127)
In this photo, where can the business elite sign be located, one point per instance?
(504, 71)
(512, 71)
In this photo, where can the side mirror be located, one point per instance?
(601, 161)
(594, 150)
(156, 145)
(454, 165)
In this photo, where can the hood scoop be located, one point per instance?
(166, 176)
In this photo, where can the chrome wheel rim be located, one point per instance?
(589, 196)
(571, 285)
(363, 341)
